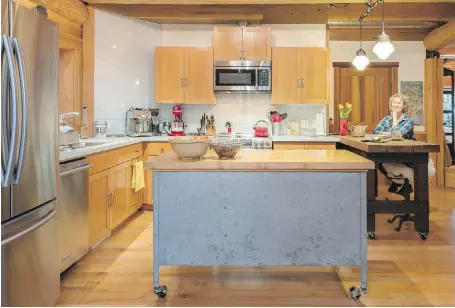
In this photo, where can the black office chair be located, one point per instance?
(407, 197)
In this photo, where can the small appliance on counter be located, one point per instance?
(261, 129)
(142, 122)
(177, 125)
(320, 124)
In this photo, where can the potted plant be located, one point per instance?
(344, 115)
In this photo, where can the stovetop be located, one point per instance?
(251, 142)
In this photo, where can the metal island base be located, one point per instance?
(297, 210)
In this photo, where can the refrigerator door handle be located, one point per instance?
(35, 226)
(24, 97)
(6, 47)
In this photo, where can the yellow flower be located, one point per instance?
(340, 106)
(348, 105)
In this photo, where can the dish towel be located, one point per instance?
(138, 176)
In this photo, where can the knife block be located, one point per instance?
(211, 131)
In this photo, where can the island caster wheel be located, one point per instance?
(423, 236)
(161, 291)
(371, 235)
(355, 292)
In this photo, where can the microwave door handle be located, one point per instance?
(257, 79)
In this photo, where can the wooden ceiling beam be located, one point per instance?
(259, 2)
(203, 19)
(372, 34)
(73, 10)
(441, 37)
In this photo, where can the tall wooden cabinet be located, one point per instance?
(241, 43)
(121, 193)
(300, 75)
(184, 75)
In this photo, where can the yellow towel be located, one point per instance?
(138, 176)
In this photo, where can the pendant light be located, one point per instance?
(383, 48)
(361, 60)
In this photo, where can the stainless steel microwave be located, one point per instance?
(242, 76)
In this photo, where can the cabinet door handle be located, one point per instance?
(109, 201)
(185, 82)
(162, 150)
(181, 82)
(113, 198)
(243, 53)
(302, 85)
(240, 55)
(298, 82)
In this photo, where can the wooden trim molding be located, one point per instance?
(372, 64)
(88, 68)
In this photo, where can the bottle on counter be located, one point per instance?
(84, 123)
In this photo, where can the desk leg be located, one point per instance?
(371, 196)
(422, 217)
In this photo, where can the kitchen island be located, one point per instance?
(266, 207)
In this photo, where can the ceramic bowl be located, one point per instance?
(189, 149)
(226, 148)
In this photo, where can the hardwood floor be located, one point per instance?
(402, 271)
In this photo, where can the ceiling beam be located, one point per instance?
(203, 19)
(372, 34)
(259, 2)
(441, 37)
(73, 10)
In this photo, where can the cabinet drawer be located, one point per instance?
(320, 146)
(157, 148)
(289, 146)
(106, 160)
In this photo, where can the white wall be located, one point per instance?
(410, 56)
(124, 69)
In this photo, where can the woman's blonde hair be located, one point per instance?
(403, 98)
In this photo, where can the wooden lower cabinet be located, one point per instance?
(99, 201)
(111, 199)
(121, 192)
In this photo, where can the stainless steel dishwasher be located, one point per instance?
(72, 212)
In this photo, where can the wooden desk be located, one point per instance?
(405, 151)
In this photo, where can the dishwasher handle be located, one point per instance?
(83, 167)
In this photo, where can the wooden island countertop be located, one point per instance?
(266, 160)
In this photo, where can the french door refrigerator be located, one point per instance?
(29, 129)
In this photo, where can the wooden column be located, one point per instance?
(433, 106)
(88, 68)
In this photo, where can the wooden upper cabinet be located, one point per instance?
(241, 43)
(314, 75)
(256, 43)
(169, 75)
(198, 84)
(227, 43)
(300, 75)
(285, 75)
(121, 188)
(184, 75)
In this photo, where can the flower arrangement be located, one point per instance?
(344, 112)
(344, 115)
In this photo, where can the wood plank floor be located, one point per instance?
(402, 271)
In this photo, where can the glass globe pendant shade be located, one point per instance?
(361, 60)
(383, 48)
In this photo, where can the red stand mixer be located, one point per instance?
(177, 125)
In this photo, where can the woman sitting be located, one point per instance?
(401, 122)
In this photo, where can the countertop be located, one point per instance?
(334, 138)
(391, 146)
(266, 160)
(110, 143)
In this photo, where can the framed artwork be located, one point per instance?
(414, 90)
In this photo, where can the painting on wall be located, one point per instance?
(414, 90)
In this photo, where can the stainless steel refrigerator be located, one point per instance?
(29, 110)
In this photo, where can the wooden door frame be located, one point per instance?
(336, 93)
